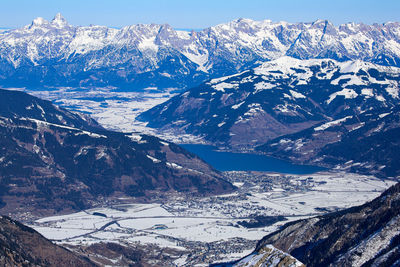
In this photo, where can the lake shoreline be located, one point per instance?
(226, 160)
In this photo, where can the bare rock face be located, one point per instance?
(367, 235)
(52, 160)
(56, 53)
(23, 246)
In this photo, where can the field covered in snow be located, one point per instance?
(113, 109)
(226, 226)
(189, 224)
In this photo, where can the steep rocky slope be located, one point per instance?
(55, 53)
(53, 160)
(23, 246)
(280, 97)
(367, 235)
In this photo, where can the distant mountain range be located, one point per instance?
(53, 160)
(134, 57)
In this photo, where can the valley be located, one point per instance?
(150, 146)
(203, 230)
(193, 230)
(113, 109)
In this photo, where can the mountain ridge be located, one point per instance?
(279, 97)
(150, 55)
(53, 160)
(366, 144)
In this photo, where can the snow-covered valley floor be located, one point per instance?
(215, 224)
(202, 229)
(114, 110)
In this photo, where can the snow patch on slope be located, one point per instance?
(222, 86)
(268, 256)
(331, 123)
(347, 93)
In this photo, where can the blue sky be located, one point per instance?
(196, 14)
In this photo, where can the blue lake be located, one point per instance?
(228, 161)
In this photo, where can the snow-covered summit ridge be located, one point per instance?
(287, 64)
(39, 21)
(280, 97)
(170, 54)
(57, 22)
(302, 70)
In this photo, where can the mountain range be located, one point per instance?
(55, 53)
(279, 97)
(53, 160)
(306, 111)
(311, 93)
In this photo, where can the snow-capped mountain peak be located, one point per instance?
(39, 21)
(101, 56)
(59, 21)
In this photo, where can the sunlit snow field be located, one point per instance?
(182, 220)
(114, 110)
